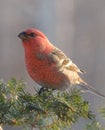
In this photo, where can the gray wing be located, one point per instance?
(63, 61)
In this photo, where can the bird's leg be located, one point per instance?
(42, 89)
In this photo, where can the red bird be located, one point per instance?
(49, 66)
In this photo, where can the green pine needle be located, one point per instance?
(51, 110)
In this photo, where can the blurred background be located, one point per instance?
(75, 26)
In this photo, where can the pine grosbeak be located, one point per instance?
(49, 66)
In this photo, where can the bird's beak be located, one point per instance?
(23, 35)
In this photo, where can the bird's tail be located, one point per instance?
(91, 89)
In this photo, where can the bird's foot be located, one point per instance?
(43, 89)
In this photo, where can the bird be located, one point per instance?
(48, 66)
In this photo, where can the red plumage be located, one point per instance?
(47, 65)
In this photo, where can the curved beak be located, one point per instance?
(23, 35)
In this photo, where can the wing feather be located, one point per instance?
(60, 59)
(65, 61)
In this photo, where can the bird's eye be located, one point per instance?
(32, 35)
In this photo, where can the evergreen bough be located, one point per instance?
(51, 110)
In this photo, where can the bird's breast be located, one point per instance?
(44, 73)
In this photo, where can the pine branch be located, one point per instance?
(51, 110)
(103, 112)
(94, 125)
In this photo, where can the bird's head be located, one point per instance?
(33, 39)
(31, 34)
